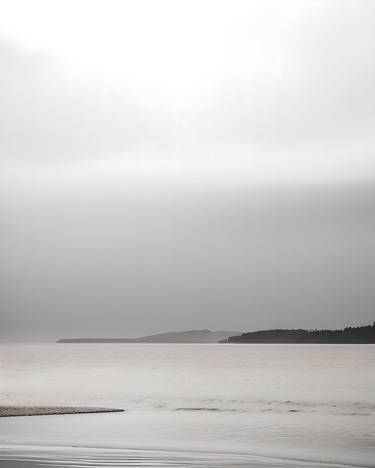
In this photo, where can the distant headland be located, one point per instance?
(189, 336)
(349, 335)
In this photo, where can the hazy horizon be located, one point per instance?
(185, 165)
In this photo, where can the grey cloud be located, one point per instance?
(43, 118)
(316, 86)
(82, 253)
(149, 263)
(311, 81)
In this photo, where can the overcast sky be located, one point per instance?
(169, 165)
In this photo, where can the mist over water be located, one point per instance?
(176, 165)
(296, 401)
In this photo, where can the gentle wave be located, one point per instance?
(274, 406)
(86, 457)
(204, 409)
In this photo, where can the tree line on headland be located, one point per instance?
(349, 335)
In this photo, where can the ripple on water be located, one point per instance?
(13, 456)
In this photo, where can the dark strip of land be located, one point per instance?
(6, 411)
(349, 335)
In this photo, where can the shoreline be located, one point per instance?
(28, 454)
(17, 411)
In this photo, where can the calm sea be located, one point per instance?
(190, 405)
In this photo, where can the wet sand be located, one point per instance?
(7, 411)
(14, 456)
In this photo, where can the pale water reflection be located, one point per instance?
(231, 403)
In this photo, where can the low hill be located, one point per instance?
(349, 335)
(189, 336)
(269, 336)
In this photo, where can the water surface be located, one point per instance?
(218, 405)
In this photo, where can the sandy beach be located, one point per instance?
(9, 411)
